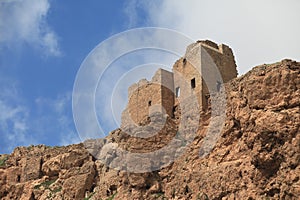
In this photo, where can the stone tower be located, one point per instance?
(146, 97)
(203, 69)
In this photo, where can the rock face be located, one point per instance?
(257, 155)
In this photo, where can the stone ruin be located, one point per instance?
(203, 69)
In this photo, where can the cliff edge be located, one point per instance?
(257, 155)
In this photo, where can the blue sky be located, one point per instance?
(44, 42)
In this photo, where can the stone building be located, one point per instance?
(203, 69)
(147, 97)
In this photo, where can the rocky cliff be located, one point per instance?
(256, 156)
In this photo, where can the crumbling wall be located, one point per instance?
(187, 79)
(147, 97)
(209, 64)
(205, 65)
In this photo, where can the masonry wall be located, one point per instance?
(147, 97)
(204, 59)
(224, 60)
(142, 99)
(166, 79)
(166, 89)
(184, 73)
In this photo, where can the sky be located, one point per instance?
(43, 44)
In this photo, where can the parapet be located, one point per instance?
(208, 43)
(222, 48)
(147, 97)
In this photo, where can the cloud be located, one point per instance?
(57, 123)
(133, 9)
(100, 88)
(14, 118)
(255, 30)
(130, 11)
(45, 121)
(24, 21)
(258, 31)
(62, 107)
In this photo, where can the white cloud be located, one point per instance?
(14, 118)
(24, 21)
(102, 72)
(48, 120)
(58, 118)
(68, 135)
(255, 30)
(258, 31)
(130, 11)
(15, 128)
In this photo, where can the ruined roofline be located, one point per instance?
(144, 81)
(221, 48)
(134, 86)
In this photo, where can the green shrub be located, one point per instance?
(2, 161)
(112, 196)
(90, 196)
(56, 189)
(160, 195)
(173, 193)
(30, 147)
(202, 196)
(45, 184)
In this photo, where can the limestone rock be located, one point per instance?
(256, 156)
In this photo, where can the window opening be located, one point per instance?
(177, 92)
(193, 83)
